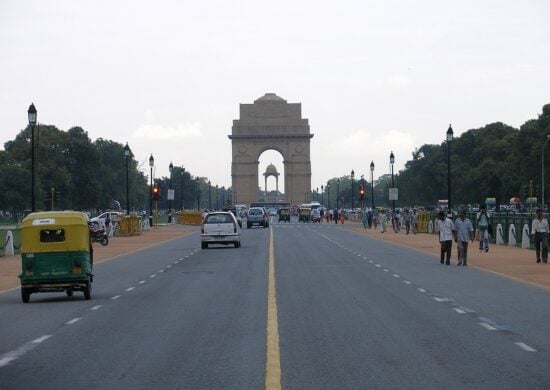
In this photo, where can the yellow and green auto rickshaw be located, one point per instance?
(56, 253)
(304, 214)
(284, 215)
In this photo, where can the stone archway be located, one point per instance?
(270, 124)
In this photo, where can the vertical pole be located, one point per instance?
(33, 200)
(151, 200)
(127, 189)
(449, 176)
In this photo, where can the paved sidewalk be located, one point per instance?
(512, 262)
(10, 266)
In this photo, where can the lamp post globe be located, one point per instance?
(32, 115)
(151, 164)
(449, 140)
(126, 158)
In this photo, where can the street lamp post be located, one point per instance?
(337, 194)
(392, 160)
(126, 158)
(352, 176)
(32, 114)
(322, 194)
(182, 175)
(217, 198)
(372, 184)
(449, 140)
(170, 169)
(209, 199)
(151, 164)
(198, 194)
(328, 195)
(542, 176)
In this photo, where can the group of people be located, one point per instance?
(407, 218)
(462, 231)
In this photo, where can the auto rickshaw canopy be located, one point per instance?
(55, 231)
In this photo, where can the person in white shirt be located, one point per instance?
(539, 229)
(446, 228)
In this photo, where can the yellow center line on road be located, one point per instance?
(273, 362)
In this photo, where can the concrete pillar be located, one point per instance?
(500, 235)
(512, 235)
(9, 244)
(525, 241)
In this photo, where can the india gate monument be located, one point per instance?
(270, 124)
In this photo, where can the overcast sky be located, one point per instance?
(372, 76)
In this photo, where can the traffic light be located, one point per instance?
(156, 192)
(524, 192)
(362, 192)
(57, 196)
(536, 195)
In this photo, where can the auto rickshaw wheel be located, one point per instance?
(25, 295)
(104, 241)
(69, 293)
(88, 290)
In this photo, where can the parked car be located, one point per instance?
(220, 227)
(99, 221)
(257, 216)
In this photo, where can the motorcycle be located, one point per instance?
(98, 235)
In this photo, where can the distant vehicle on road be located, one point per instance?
(272, 212)
(257, 216)
(284, 215)
(220, 227)
(315, 215)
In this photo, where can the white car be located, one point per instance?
(220, 227)
(99, 221)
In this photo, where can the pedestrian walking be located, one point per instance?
(335, 216)
(364, 218)
(446, 228)
(414, 221)
(375, 218)
(342, 216)
(482, 219)
(539, 228)
(382, 219)
(407, 218)
(463, 231)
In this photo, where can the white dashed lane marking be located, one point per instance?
(459, 311)
(487, 326)
(116, 297)
(96, 307)
(525, 347)
(73, 321)
(130, 288)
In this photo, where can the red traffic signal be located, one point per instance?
(156, 192)
(362, 192)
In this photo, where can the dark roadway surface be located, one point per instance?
(353, 313)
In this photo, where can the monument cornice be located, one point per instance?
(274, 136)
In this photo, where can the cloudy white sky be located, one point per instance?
(372, 76)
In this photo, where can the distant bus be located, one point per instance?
(442, 204)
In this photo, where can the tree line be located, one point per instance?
(87, 175)
(494, 161)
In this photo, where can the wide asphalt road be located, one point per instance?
(351, 313)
